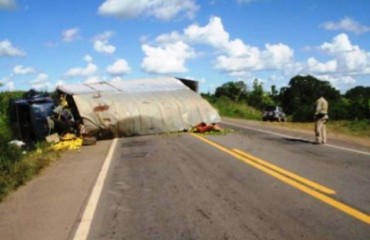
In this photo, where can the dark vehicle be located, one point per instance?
(274, 113)
(29, 116)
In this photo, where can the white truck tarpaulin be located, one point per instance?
(140, 107)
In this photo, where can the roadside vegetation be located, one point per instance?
(229, 108)
(18, 165)
(349, 112)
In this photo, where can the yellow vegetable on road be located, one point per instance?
(71, 144)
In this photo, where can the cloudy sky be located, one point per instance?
(45, 43)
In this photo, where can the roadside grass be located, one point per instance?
(227, 108)
(16, 168)
(236, 110)
(359, 129)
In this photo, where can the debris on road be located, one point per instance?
(68, 144)
(17, 143)
(203, 127)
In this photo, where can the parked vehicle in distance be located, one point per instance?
(273, 113)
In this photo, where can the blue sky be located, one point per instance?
(45, 43)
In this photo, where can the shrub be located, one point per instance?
(229, 108)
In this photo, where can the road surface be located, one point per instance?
(250, 184)
(258, 182)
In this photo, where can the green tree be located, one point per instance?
(339, 110)
(359, 99)
(274, 94)
(298, 99)
(258, 98)
(235, 91)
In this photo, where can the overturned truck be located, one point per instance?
(138, 107)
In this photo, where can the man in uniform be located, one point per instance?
(321, 117)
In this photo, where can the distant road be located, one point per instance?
(254, 183)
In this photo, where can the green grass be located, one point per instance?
(229, 108)
(17, 168)
(353, 128)
(347, 128)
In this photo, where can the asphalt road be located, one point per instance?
(249, 184)
(259, 182)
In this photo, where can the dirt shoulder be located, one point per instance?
(48, 206)
(304, 130)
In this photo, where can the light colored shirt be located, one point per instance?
(322, 106)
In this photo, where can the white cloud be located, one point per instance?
(116, 79)
(41, 82)
(345, 63)
(7, 4)
(101, 43)
(350, 58)
(338, 81)
(104, 47)
(317, 67)
(160, 9)
(237, 58)
(236, 66)
(88, 58)
(8, 86)
(168, 58)
(7, 49)
(21, 70)
(71, 35)
(346, 24)
(41, 78)
(276, 56)
(340, 43)
(85, 72)
(340, 62)
(60, 82)
(119, 67)
(168, 38)
(93, 79)
(212, 34)
(105, 36)
(7, 83)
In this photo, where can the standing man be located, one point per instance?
(321, 117)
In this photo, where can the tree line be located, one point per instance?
(298, 98)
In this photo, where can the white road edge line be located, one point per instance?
(83, 227)
(287, 136)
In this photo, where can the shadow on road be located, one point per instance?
(298, 140)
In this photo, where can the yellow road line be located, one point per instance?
(286, 173)
(332, 202)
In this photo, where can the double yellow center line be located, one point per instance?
(307, 186)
